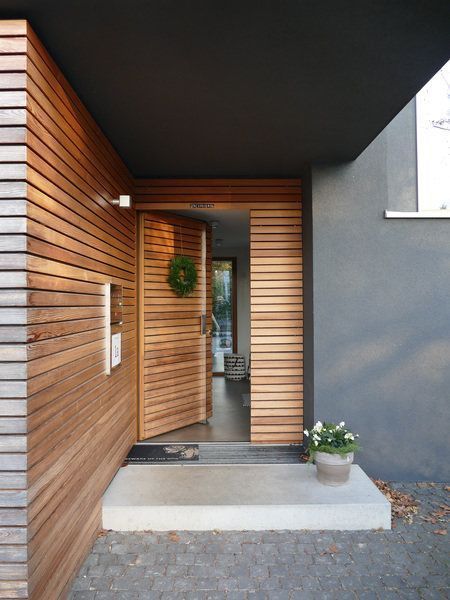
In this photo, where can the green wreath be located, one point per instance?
(182, 275)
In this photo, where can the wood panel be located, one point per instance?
(65, 241)
(161, 194)
(175, 387)
(276, 299)
(13, 314)
(276, 287)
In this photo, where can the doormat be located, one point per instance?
(246, 400)
(144, 454)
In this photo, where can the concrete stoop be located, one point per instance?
(240, 497)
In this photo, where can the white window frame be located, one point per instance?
(433, 150)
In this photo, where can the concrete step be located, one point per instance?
(240, 497)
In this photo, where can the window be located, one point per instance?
(433, 142)
(433, 149)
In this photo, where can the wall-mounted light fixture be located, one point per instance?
(123, 201)
(214, 224)
(219, 242)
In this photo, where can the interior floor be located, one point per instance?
(230, 421)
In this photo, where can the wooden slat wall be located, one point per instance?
(56, 195)
(173, 359)
(161, 194)
(276, 287)
(13, 313)
(276, 300)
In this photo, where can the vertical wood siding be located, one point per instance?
(65, 241)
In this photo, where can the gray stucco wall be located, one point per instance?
(382, 310)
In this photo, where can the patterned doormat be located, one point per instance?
(145, 454)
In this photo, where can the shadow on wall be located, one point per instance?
(381, 319)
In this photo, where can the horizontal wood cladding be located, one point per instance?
(13, 314)
(175, 357)
(276, 300)
(65, 426)
(276, 291)
(158, 194)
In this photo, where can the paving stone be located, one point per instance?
(408, 562)
(83, 595)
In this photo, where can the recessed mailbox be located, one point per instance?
(113, 326)
(116, 304)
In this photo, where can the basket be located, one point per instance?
(234, 367)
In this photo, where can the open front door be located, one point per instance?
(175, 339)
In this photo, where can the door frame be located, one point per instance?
(233, 260)
(272, 422)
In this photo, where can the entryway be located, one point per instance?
(185, 395)
(184, 338)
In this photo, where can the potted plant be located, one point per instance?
(331, 447)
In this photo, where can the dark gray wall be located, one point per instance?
(382, 310)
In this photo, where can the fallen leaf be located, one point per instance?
(440, 532)
(333, 549)
(403, 506)
(103, 532)
(174, 537)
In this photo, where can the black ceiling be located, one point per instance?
(230, 88)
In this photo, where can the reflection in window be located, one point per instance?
(433, 142)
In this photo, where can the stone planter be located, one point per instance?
(333, 469)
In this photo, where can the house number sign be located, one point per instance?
(202, 205)
(116, 349)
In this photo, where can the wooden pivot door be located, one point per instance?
(175, 343)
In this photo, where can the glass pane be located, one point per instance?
(222, 308)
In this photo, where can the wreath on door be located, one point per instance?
(182, 275)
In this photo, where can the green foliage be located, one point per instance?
(331, 438)
(182, 275)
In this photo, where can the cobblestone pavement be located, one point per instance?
(411, 561)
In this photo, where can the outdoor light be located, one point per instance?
(123, 201)
(214, 224)
(219, 242)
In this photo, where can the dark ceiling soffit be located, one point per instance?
(241, 88)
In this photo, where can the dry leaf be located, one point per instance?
(103, 532)
(440, 532)
(403, 506)
(174, 537)
(333, 549)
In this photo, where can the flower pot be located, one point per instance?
(333, 469)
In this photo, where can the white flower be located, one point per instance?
(342, 424)
(318, 426)
(349, 436)
(306, 432)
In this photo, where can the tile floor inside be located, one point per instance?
(230, 421)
